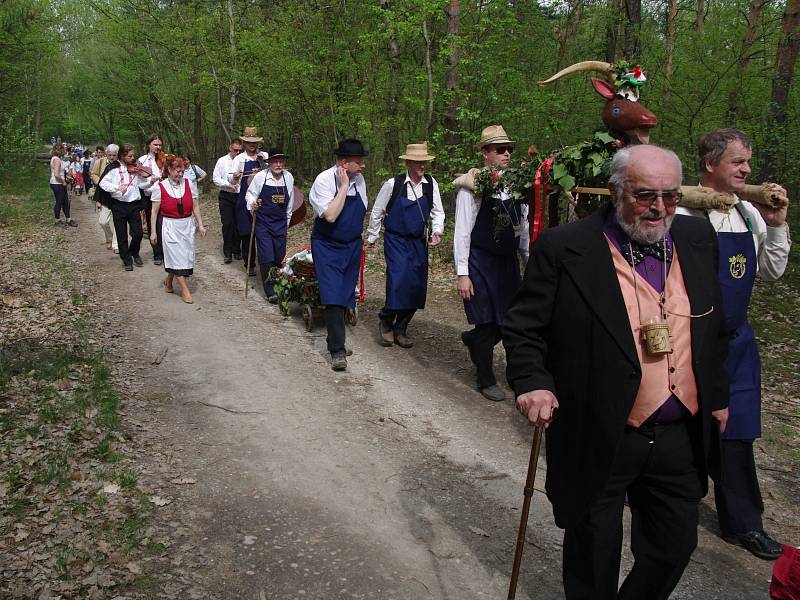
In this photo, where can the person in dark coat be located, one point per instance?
(627, 415)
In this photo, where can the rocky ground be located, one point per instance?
(208, 451)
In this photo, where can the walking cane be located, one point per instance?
(250, 252)
(526, 504)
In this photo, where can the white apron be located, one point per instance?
(177, 237)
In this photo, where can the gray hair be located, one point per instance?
(112, 148)
(713, 145)
(621, 160)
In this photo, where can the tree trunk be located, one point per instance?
(701, 16)
(569, 32)
(451, 79)
(612, 29)
(633, 27)
(744, 57)
(391, 148)
(672, 14)
(785, 60)
(232, 41)
(429, 73)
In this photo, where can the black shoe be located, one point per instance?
(129, 267)
(757, 543)
(228, 259)
(339, 362)
(493, 393)
(252, 271)
(385, 335)
(402, 340)
(273, 299)
(72, 222)
(157, 261)
(237, 256)
(138, 261)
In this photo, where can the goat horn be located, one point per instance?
(587, 65)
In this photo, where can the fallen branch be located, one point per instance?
(230, 410)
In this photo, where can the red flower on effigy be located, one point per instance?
(637, 71)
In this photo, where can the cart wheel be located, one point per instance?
(308, 317)
(352, 316)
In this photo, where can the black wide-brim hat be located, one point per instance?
(275, 152)
(351, 147)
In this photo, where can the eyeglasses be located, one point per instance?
(648, 197)
(504, 149)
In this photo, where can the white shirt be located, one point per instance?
(412, 193)
(467, 207)
(176, 193)
(193, 173)
(149, 161)
(325, 187)
(122, 186)
(266, 177)
(222, 169)
(56, 170)
(772, 244)
(238, 166)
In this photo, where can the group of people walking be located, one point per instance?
(628, 338)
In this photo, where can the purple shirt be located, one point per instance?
(652, 271)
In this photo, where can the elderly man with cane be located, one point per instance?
(616, 341)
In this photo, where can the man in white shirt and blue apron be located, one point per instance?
(753, 239)
(404, 205)
(339, 200)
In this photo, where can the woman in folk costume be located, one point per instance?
(176, 199)
(339, 199)
(270, 194)
(404, 204)
(58, 184)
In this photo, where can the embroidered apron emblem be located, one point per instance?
(278, 198)
(738, 266)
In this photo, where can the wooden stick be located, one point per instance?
(250, 253)
(526, 504)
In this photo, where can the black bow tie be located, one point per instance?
(637, 252)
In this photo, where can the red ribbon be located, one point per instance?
(361, 268)
(538, 210)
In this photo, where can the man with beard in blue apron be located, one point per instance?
(753, 239)
(404, 205)
(245, 167)
(270, 194)
(339, 200)
(486, 258)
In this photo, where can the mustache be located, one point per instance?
(654, 214)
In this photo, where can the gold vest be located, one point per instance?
(664, 374)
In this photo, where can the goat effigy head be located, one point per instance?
(623, 115)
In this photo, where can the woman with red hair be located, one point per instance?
(176, 198)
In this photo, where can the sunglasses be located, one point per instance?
(504, 149)
(648, 197)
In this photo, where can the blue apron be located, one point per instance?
(493, 264)
(737, 274)
(271, 225)
(336, 248)
(406, 252)
(243, 220)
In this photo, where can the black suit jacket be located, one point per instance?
(567, 331)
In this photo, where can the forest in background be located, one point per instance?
(309, 72)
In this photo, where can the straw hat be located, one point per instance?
(494, 134)
(251, 135)
(417, 152)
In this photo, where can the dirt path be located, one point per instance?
(393, 480)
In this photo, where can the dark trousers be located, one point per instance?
(397, 320)
(127, 216)
(655, 467)
(481, 342)
(158, 249)
(335, 323)
(62, 200)
(244, 241)
(264, 268)
(737, 495)
(231, 240)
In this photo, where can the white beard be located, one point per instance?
(634, 230)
